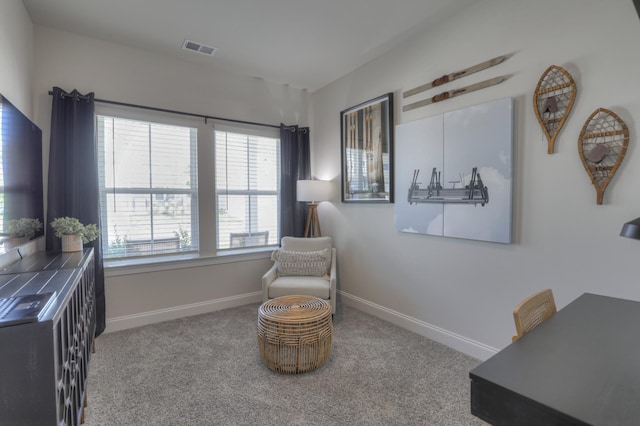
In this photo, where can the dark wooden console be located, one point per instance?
(44, 365)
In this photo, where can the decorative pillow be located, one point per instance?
(306, 263)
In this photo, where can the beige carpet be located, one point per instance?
(206, 370)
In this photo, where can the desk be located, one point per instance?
(581, 366)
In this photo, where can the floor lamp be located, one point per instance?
(313, 192)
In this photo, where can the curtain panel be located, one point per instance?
(295, 164)
(73, 176)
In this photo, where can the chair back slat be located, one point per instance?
(532, 311)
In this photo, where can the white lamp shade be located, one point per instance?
(313, 190)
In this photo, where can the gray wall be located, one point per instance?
(16, 55)
(463, 292)
(455, 291)
(144, 294)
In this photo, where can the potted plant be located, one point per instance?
(73, 233)
(21, 230)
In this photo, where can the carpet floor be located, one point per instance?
(206, 370)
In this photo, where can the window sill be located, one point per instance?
(119, 267)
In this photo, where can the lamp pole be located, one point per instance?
(313, 222)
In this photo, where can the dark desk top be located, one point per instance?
(584, 362)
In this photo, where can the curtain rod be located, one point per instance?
(206, 117)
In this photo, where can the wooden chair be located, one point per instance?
(532, 311)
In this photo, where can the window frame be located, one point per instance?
(206, 194)
(258, 132)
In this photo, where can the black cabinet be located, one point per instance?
(44, 365)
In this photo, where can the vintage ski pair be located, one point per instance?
(451, 77)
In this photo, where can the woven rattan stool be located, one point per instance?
(295, 333)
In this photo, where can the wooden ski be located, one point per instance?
(456, 92)
(455, 75)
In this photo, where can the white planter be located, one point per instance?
(71, 243)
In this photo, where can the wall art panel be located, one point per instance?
(456, 170)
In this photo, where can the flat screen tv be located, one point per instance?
(20, 172)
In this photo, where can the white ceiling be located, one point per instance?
(303, 43)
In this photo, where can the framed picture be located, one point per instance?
(367, 151)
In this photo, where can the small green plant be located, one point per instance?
(72, 226)
(118, 247)
(183, 236)
(23, 227)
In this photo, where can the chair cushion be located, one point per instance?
(306, 244)
(307, 286)
(305, 263)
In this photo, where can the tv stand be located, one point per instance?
(45, 363)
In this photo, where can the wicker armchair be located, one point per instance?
(532, 311)
(296, 272)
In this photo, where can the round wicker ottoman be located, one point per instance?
(295, 333)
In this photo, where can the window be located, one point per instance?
(179, 185)
(247, 188)
(148, 187)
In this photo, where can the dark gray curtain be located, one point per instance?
(295, 164)
(73, 176)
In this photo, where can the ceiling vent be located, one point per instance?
(198, 48)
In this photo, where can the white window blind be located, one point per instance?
(247, 189)
(148, 187)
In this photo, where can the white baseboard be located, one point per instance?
(460, 343)
(175, 312)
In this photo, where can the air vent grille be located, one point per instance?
(198, 48)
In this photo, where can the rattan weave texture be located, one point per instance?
(533, 311)
(295, 333)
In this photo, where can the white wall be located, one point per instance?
(114, 72)
(462, 292)
(16, 55)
